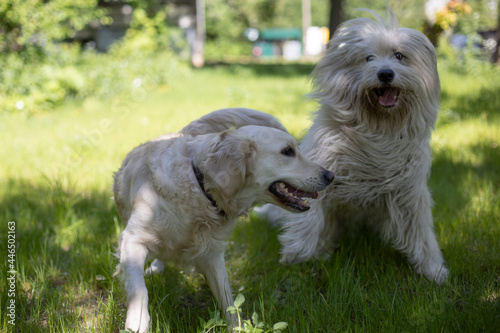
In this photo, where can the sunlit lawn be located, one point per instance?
(56, 170)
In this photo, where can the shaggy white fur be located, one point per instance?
(181, 195)
(378, 91)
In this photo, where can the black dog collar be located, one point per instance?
(201, 180)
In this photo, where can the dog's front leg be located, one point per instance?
(132, 259)
(214, 270)
(301, 238)
(412, 228)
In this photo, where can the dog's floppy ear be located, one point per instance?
(227, 165)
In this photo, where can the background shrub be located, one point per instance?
(37, 79)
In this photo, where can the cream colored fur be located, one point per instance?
(223, 119)
(170, 218)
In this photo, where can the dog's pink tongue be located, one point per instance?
(389, 96)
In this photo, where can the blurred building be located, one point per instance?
(288, 43)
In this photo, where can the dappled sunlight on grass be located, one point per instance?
(470, 97)
(56, 174)
(472, 141)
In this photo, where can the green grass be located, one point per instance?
(55, 183)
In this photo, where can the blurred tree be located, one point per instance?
(496, 53)
(335, 15)
(484, 17)
(225, 22)
(410, 13)
(463, 17)
(288, 14)
(443, 17)
(37, 22)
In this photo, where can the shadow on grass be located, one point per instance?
(485, 104)
(451, 181)
(66, 240)
(43, 208)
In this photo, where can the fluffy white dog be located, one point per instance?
(378, 90)
(181, 195)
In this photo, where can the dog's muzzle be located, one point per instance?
(296, 199)
(387, 94)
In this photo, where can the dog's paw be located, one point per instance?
(138, 323)
(156, 267)
(287, 260)
(437, 273)
(322, 256)
(292, 258)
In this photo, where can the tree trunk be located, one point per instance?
(431, 29)
(197, 54)
(335, 15)
(496, 54)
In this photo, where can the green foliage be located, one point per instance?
(410, 13)
(225, 23)
(253, 325)
(37, 80)
(472, 59)
(39, 22)
(213, 323)
(288, 14)
(484, 16)
(145, 36)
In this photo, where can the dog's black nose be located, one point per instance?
(328, 176)
(385, 75)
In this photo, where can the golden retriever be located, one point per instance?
(180, 196)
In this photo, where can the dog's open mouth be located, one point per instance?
(292, 197)
(387, 96)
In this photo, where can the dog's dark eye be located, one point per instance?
(399, 55)
(370, 58)
(288, 151)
